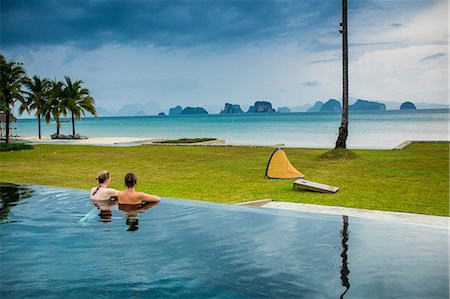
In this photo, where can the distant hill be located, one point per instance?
(301, 108)
(149, 108)
(419, 105)
(431, 106)
(141, 113)
(316, 108)
(283, 110)
(331, 105)
(104, 112)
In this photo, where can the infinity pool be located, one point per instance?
(56, 244)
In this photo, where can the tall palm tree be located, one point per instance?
(77, 100)
(12, 78)
(341, 141)
(37, 98)
(54, 106)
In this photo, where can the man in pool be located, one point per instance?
(130, 196)
(102, 192)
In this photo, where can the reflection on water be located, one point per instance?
(131, 212)
(344, 269)
(10, 195)
(104, 207)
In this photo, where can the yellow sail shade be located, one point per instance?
(279, 167)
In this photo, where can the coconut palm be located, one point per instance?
(54, 106)
(77, 100)
(37, 98)
(341, 142)
(12, 79)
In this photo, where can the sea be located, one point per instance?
(367, 129)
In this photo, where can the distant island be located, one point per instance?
(258, 107)
(193, 110)
(261, 107)
(231, 109)
(330, 105)
(175, 110)
(363, 105)
(407, 106)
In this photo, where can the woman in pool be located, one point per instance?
(102, 192)
(131, 196)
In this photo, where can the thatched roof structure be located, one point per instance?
(3, 117)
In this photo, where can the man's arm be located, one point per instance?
(148, 198)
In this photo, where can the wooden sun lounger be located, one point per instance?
(313, 186)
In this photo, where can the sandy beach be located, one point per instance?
(91, 140)
(107, 141)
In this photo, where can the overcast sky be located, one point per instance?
(206, 53)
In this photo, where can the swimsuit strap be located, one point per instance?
(96, 190)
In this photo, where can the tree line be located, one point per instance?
(45, 97)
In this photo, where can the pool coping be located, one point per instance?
(421, 219)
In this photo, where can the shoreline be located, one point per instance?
(134, 141)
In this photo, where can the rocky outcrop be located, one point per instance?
(161, 114)
(331, 105)
(283, 110)
(408, 106)
(316, 108)
(175, 110)
(261, 107)
(193, 110)
(361, 105)
(231, 109)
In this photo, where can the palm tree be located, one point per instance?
(341, 142)
(37, 98)
(54, 105)
(12, 78)
(77, 100)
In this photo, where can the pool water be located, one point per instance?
(54, 244)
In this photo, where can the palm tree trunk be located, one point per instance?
(7, 116)
(341, 142)
(39, 125)
(73, 125)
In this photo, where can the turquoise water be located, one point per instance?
(54, 244)
(383, 129)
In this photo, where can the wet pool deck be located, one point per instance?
(437, 221)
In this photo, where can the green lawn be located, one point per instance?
(415, 179)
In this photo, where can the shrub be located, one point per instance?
(6, 147)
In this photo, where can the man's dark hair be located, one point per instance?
(130, 180)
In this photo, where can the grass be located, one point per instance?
(414, 180)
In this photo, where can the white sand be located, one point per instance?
(91, 140)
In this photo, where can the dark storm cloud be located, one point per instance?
(90, 24)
